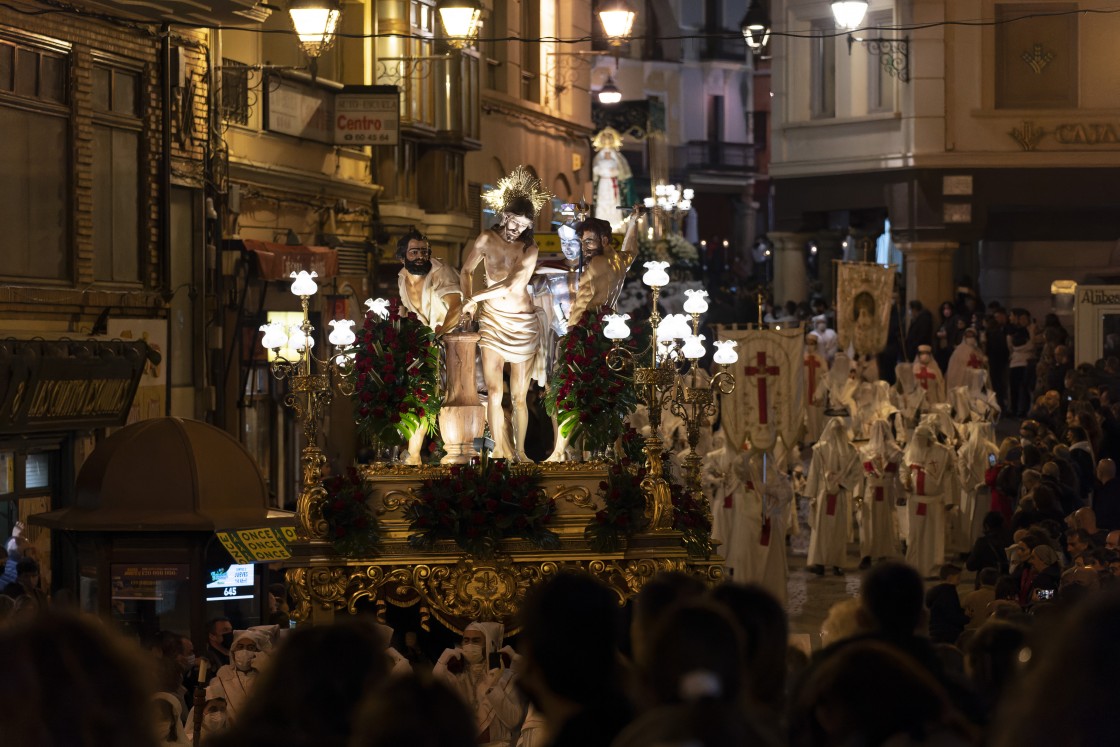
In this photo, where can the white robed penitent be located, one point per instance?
(929, 472)
(834, 471)
(878, 492)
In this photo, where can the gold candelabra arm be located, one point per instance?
(659, 497)
(309, 512)
(723, 381)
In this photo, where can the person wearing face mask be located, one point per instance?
(826, 338)
(214, 718)
(235, 681)
(481, 676)
(167, 719)
(928, 474)
(219, 637)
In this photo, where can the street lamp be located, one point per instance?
(756, 27)
(461, 21)
(617, 18)
(315, 22)
(849, 13)
(609, 94)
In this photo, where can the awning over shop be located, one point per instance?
(279, 261)
(52, 385)
(168, 474)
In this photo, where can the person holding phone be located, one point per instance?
(482, 677)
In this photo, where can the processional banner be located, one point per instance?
(863, 306)
(768, 401)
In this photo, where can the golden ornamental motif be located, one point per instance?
(577, 495)
(392, 500)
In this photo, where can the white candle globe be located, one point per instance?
(302, 283)
(616, 328)
(298, 341)
(725, 352)
(697, 302)
(275, 335)
(379, 306)
(655, 276)
(674, 327)
(342, 333)
(694, 347)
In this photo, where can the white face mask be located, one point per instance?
(243, 659)
(214, 721)
(472, 652)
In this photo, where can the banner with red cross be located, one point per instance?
(768, 401)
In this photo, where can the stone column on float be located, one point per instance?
(791, 277)
(929, 271)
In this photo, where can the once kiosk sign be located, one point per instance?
(67, 384)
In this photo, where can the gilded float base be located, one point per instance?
(455, 588)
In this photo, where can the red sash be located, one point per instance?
(764, 538)
(919, 479)
(830, 504)
(878, 493)
(727, 501)
(922, 509)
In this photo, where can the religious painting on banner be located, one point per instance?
(768, 402)
(863, 305)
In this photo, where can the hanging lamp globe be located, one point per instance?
(617, 18)
(461, 21)
(756, 27)
(849, 13)
(609, 94)
(315, 23)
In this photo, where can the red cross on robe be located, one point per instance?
(924, 376)
(812, 363)
(761, 371)
(975, 362)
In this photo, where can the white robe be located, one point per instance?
(489, 693)
(724, 478)
(929, 379)
(972, 465)
(834, 472)
(773, 500)
(930, 472)
(816, 394)
(966, 357)
(879, 493)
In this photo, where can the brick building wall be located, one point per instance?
(69, 303)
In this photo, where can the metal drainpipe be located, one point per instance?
(165, 193)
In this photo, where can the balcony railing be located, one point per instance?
(712, 156)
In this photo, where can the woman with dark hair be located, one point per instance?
(693, 672)
(414, 710)
(69, 683)
(765, 629)
(309, 693)
(868, 693)
(948, 336)
(991, 660)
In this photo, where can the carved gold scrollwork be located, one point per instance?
(392, 500)
(327, 586)
(296, 579)
(577, 495)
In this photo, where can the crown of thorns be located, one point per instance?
(519, 184)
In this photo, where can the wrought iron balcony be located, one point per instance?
(715, 156)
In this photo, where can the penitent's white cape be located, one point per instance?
(834, 471)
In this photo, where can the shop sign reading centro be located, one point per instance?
(333, 115)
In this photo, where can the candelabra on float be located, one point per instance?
(311, 384)
(665, 374)
(670, 203)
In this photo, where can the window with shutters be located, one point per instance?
(116, 172)
(35, 154)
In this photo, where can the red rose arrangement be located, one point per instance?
(623, 512)
(395, 369)
(351, 525)
(478, 504)
(586, 396)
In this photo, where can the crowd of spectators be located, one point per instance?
(695, 666)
